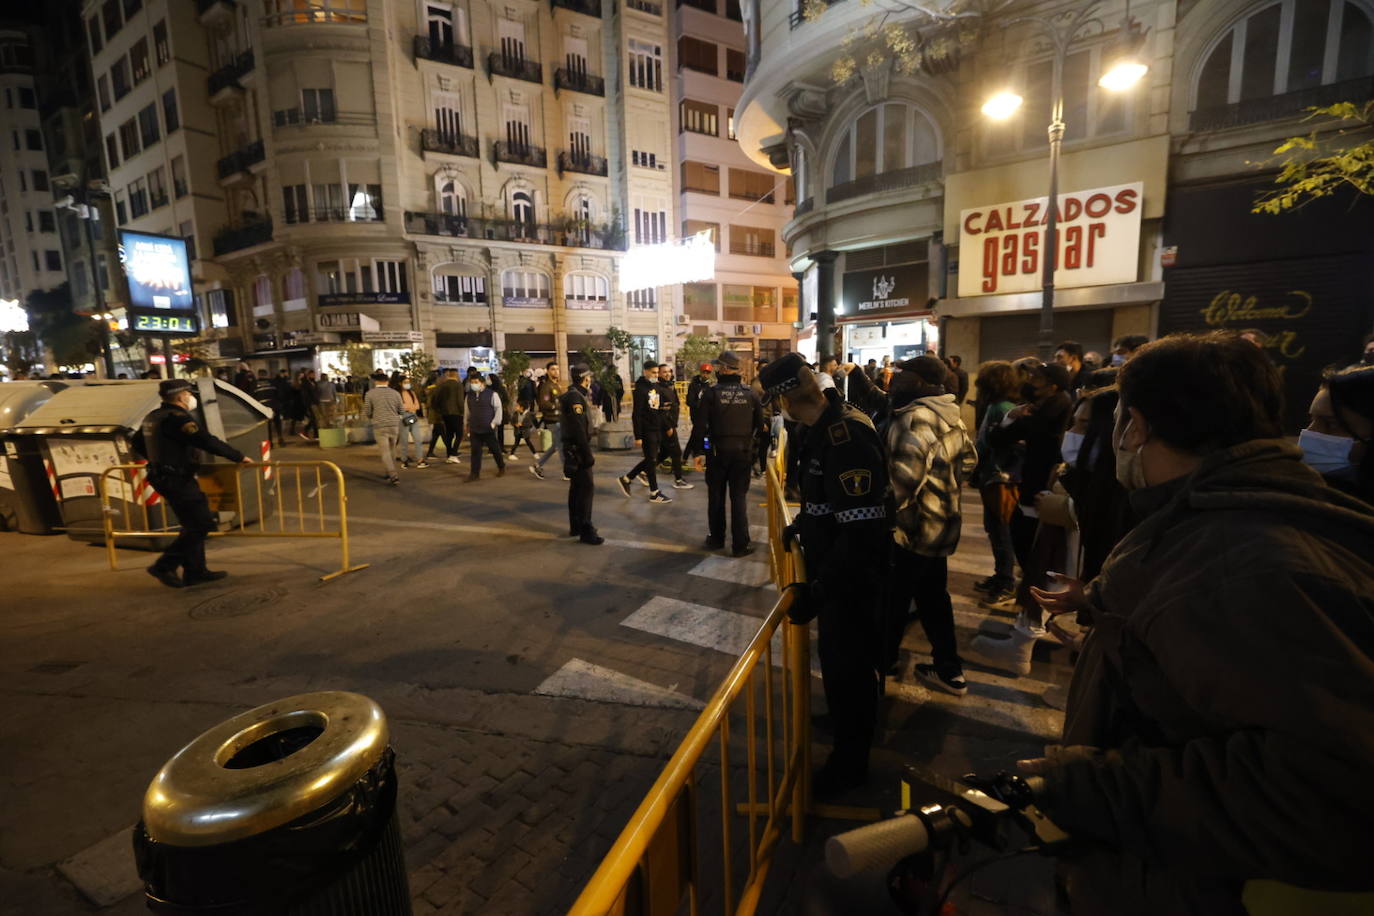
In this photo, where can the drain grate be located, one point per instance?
(238, 603)
(55, 667)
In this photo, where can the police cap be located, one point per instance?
(782, 374)
(170, 388)
(728, 359)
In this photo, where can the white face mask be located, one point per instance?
(1128, 470)
(191, 402)
(1324, 453)
(1073, 445)
(405, 385)
(475, 386)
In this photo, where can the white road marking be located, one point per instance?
(699, 625)
(1041, 721)
(507, 531)
(744, 571)
(585, 681)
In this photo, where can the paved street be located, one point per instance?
(534, 685)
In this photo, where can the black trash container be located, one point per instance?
(287, 809)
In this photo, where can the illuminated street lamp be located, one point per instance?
(1125, 70)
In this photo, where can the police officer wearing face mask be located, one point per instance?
(1336, 443)
(575, 409)
(845, 528)
(172, 440)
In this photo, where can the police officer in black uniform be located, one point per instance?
(729, 416)
(575, 408)
(172, 440)
(844, 525)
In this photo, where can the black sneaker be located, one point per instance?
(991, 583)
(167, 577)
(742, 551)
(624, 483)
(951, 682)
(591, 537)
(658, 496)
(210, 575)
(537, 471)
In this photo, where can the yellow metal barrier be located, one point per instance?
(654, 862)
(287, 500)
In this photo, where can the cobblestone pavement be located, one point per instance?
(534, 686)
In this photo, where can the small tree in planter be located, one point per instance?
(697, 349)
(513, 365)
(359, 358)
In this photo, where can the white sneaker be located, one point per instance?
(512, 457)
(451, 459)
(681, 484)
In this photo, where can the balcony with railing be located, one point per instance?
(433, 140)
(585, 163)
(570, 233)
(246, 236)
(519, 154)
(516, 68)
(300, 117)
(577, 81)
(1279, 107)
(896, 180)
(754, 249)
(645, 6)
(228, 76)
(585, 7)
(371, 213)
(443, 52)
(240, 161)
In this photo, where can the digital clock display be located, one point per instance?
(163, 323)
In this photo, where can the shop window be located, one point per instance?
(738, 302)
(1330, 41)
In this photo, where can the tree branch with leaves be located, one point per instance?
(1325, 161)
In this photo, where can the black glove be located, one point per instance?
(810, 596)
(789, 534)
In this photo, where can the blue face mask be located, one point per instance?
(1324, 453)
(1118, 359)
(1071, 447)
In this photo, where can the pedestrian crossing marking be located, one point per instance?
(1041, 721)
(699, 625)
(750, 571)
(584, 681)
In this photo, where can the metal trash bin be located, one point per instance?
(84, 430)
(27, 501)
(287, 809)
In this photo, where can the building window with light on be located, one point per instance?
(453, 286)
(307, 12)
(525, 289)
(586, 291)
(886, 138)
(646, 65)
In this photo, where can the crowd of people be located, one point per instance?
(1213, 579)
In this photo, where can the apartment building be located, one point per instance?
(159, 134)
(752, 301)
(917, 222)
(459, 176)
(30, 245)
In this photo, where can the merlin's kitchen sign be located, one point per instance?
(888, 292)
(1001, 246)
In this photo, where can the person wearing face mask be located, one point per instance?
(844, 525)
(1100, 502)
(483, 417)
(1217, 740)
(1336, 443)
(172, 440)
(1124, 347)
(411, 412)
(1367, 357)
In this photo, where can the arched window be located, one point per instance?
(456, 285)
(452, 198)
(886, 138)
(525, 289)
(522, 208)
(586, 291)
(1285, 47)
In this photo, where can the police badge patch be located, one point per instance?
(857, 482)
(190, 429)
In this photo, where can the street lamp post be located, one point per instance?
(1062, 29)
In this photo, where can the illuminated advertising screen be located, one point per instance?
(158, 270)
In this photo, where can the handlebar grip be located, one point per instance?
(883, 843)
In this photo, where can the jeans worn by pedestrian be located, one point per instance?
(557, 430)
(408, 441)
(386, 444)
(999, 536)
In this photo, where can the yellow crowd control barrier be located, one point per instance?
(654, 864)
(274, 499)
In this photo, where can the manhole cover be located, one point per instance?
(236, 603)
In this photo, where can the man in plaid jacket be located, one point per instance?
(930, 457)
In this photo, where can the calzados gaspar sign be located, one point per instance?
(1001, 246)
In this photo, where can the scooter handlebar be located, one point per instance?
(879, 844)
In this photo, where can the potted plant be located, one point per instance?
(349, 425)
